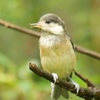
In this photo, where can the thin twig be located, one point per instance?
(36, 34)
(89, 84)
(87, 94)
(18, 28)
(87, 52)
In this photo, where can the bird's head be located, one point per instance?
(50, 23)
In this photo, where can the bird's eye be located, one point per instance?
(48, 21)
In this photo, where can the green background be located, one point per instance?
(82, 19)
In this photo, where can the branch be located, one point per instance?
(36, 34)
(87, 52)
(87, 94)
(18, 28)
(89, 84)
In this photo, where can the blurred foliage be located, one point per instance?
(17, 82)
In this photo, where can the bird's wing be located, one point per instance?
(72, 43)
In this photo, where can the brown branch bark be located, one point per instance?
(89, 84)
(87, 94)
(36, 34)
(87, 52)
(18, 28)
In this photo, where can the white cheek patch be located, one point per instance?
(56, 29)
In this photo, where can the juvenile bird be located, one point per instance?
(56, 52)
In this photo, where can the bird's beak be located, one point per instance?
(36, 25)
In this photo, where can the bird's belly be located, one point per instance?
(58, 61)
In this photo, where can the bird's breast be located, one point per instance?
(57, 55)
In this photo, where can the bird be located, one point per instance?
(56, 52)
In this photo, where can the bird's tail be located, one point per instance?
(57, 91)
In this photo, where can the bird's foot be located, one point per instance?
(77, 87)
(55, 77)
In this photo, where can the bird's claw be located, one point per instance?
(55, 77)
(77, 87)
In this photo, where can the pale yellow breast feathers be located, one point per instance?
(57, 55)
